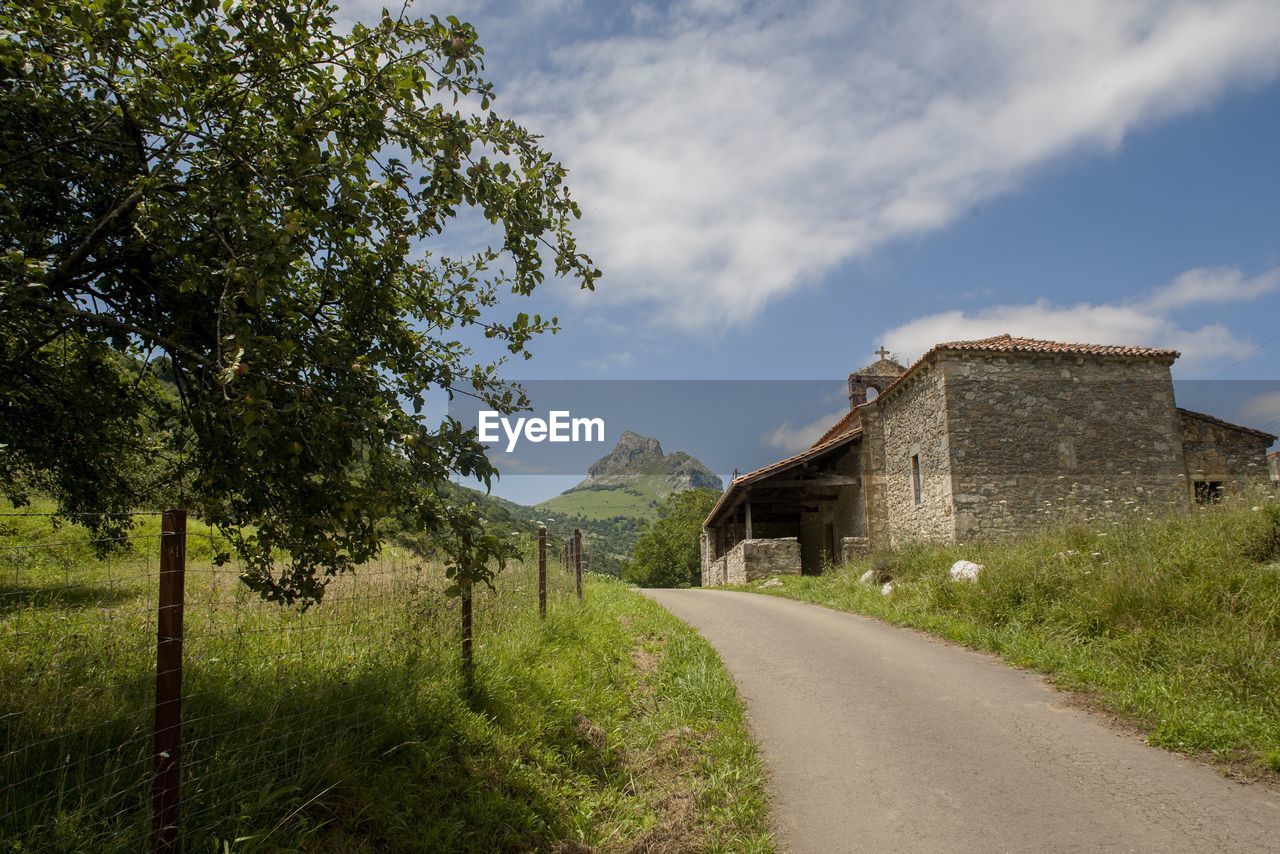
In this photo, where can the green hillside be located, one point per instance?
(619, 496)
(607, 540)
(631, 480)
(636, 499)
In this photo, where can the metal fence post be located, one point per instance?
(168, 725)
(578, 560)
(542, 572)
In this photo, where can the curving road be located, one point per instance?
(882, 739)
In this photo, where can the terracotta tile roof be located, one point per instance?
(851, 420)
(743, 480)
(1220, 423)
(1010, 344)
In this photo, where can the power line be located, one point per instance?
(1234, 364)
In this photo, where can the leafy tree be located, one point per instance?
(252, 201)
(667, 552)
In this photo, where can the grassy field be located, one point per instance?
(1172, 623)
(611, 726)
(637, 498)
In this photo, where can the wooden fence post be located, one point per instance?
(468, 661)
(464, 581)
(577, 559)
(542, 572)
(165, 811)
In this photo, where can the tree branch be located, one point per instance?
(142, 332)
(96, 236)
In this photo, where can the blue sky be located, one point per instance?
(773, 190)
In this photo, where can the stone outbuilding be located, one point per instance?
(993, 437)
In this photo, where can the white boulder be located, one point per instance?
(887, 588)
(867, 577)
(965, 570)
(773, 582)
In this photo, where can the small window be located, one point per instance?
(917, 484)
(1208, 491)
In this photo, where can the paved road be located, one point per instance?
(882, 739)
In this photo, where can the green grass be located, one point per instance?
(637, 499)
(347, 728)
(1173, 623)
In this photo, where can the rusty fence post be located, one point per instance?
(168, 725)
(542, 572)
(577, 560)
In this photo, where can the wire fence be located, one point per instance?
(151, 701)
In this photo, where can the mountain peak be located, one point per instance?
(636, 456)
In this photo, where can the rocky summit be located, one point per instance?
(638, 456)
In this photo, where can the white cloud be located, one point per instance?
(1221, 284)
(735, 152)
(1145, 321)
(791, 439)
(1263, 409)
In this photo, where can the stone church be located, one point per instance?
(976, 439)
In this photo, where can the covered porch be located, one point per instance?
(796, 516)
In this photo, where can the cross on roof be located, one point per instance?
(882, 352)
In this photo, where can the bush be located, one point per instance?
(667, 554)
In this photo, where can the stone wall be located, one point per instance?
(705, 556)
(1221, 453)
(1036, 438)
(854, 547)
(1274, 461)
(873, 476)
(735, 564)
(914, 419)
(750, 560)
(716, 573)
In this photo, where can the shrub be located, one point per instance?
(667, 554)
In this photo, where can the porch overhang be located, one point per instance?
(772, 489)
